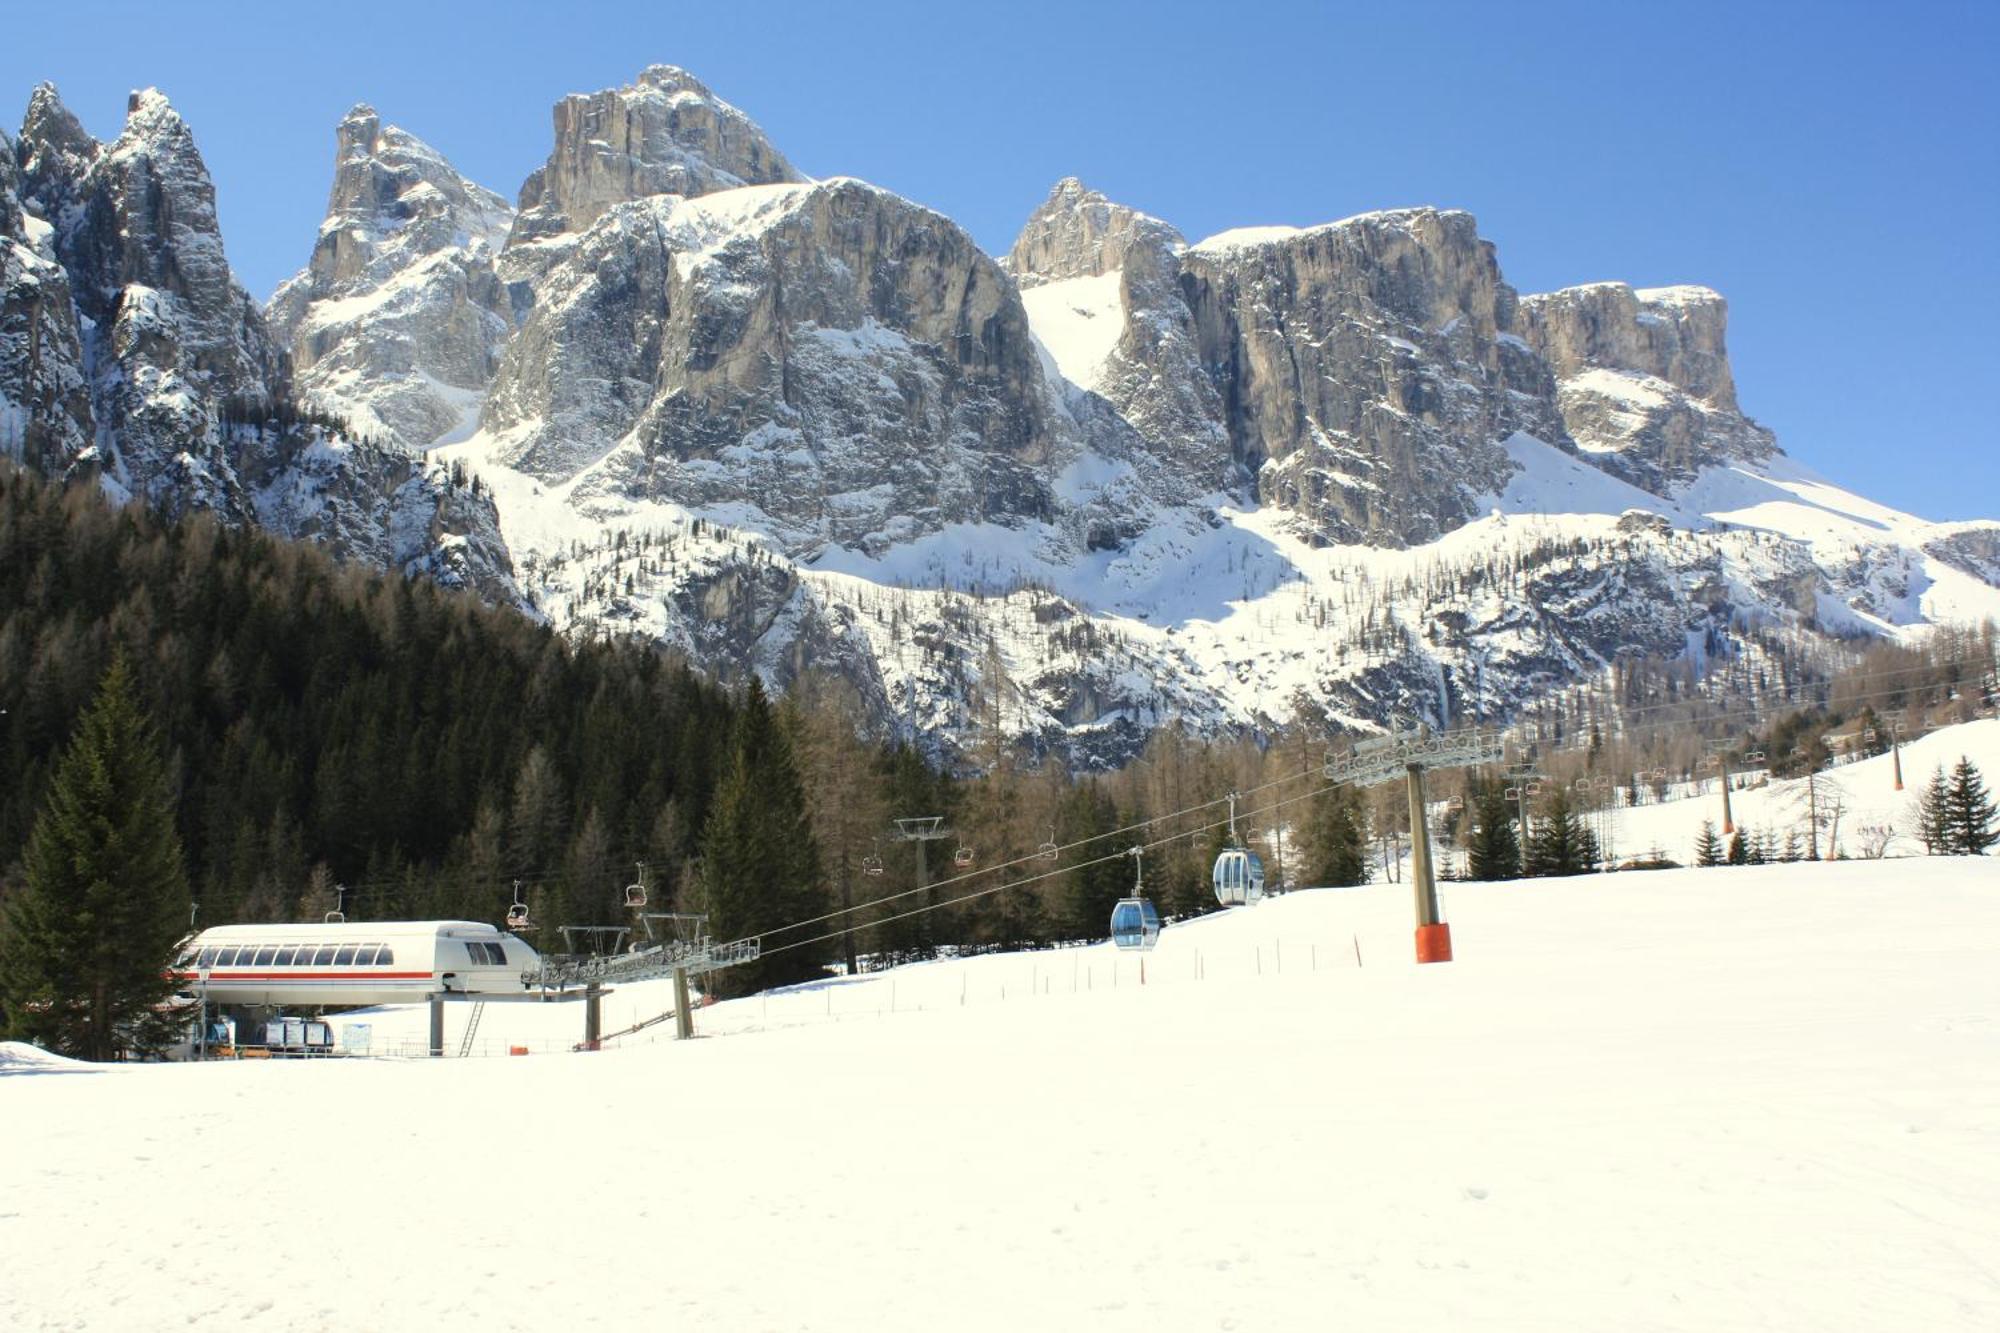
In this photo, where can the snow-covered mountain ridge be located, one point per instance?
(128, 351)
(1111, 481)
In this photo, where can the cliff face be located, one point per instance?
(832, 359)
(398, 321)
(1101, 283)
(1644, 379)
(45, 417)
(1369, 369)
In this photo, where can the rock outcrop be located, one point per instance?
(45, 417)
(398, 321)
(1101, 283)
(1369, 369)
(666, 133)
(829, 362)
(1644, 379)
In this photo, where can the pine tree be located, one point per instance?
(760, 862)
(1495, 853)
(1967, 822)
(1085, 895)
(1708, 849)
(1560, 844)
(85, 945)
(1336, 850)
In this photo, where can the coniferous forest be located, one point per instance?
(338, 737)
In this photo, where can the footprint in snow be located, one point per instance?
(1476, 1193)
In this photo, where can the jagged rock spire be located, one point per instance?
(397, 321)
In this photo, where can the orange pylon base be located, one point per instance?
(1434, 943)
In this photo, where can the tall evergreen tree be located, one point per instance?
(1086, 894)
(760, 861)
(85, 945)
(1495, 853)
(1336, 844)
(1967, 825)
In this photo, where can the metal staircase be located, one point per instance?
(471, 1030)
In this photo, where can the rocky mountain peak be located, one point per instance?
(666, 133)
(397, 319)
(1079, 233)
(54, 149)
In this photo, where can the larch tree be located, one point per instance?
(85, 946)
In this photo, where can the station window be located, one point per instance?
(225, 957)
(325, 955)
(206, 958)
(265, 955)
(369, 955)
(384, 956)
(285, 956)
(345, 957)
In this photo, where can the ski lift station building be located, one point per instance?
(343, 963)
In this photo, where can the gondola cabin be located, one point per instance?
(327, 964)
(1239, 877)
(1135, 924)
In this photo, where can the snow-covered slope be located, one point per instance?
(1690, 1100)
(1860, 811)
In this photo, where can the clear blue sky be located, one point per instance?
(1833, 169)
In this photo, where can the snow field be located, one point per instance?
(1865, 789)
(1757, 1097)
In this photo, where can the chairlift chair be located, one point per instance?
(635, 896)
(1536, 788)
(335, 918)
(871, 864)
(962, 857)
(1048, 851)
(517, 913)
(1511, 794)
(1456, 805)
(1754, 757)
